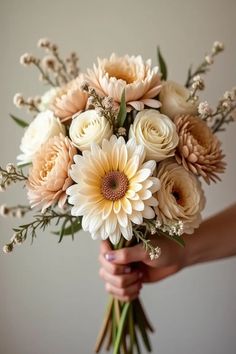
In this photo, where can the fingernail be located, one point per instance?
(127, 269)
(110, 257)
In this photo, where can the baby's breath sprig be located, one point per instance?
(28, 59)
(11, 174)
(41, 221)
(54, 63)
(197, 85)
(17, 211)
(142, 233)
(31, 103)
(154, 252)
(104, 106)
(224, 113)
(204, 67)
(72, 65)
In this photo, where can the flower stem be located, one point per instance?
(121, 327)
(105, 324)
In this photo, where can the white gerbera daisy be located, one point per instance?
(113, 188)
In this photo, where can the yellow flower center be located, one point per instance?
(121, 72)
(114, 185)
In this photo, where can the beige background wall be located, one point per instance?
(51, 299)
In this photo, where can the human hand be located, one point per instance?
(126, 269)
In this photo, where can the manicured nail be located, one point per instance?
(127, 270)
(110, 257)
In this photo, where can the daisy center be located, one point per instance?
(114, 185)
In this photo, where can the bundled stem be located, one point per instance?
(124, 322)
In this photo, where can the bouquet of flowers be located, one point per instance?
(119, 151)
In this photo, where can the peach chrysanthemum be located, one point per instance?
(69, 100)
(49, 177)
(113, 188)
(198, 149)
(140, 81)
(180, 197)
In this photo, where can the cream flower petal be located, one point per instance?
(127, 231)
(111, 182)
(117, 206)
(137, 217)
(148, 213)
(115, 74)
(108, 205)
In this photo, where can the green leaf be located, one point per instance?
(22, 165)
(162, 64)
(122, 111)
(19, 121)
(63, 230)
(74, 227)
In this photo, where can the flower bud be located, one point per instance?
(10, 168)
(4, 211)
(8, 248)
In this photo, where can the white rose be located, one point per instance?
(48, 98)
(156, 132)
(43, 127)
(173, 98)
(87, 128)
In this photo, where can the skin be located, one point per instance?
(125, 270)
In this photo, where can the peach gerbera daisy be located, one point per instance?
(140, 81)
(113, 188)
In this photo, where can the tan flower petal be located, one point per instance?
(198, 149)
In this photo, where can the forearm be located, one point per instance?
(215, 239)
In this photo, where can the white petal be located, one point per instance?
(107, 209)
(148, 213)
(138, 205)
(104, 234)
(156, 184)
(115, 237)
(110, 223)
(142, 175)
(122, 218)
(145, 194)
(85, 222)
(95, 223)
(151, 165)
(126, 205)
(94, 236)
(132, 166)
(117, 206)
(127, 232)
(136, 217)
(123, 158)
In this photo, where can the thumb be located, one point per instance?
(127, 255)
